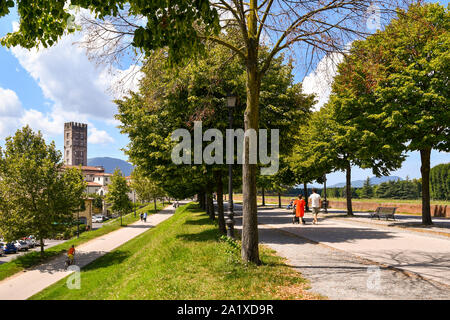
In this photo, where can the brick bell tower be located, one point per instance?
(75, 144)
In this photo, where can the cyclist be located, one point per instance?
(71, 254)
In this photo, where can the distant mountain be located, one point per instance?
(373, 181)
(110, 164)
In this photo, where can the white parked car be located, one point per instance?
(97, 219)
(21, 245)
(30, 241)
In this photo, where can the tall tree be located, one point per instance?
(367, 189)
(36, 195)
(440, 182)
(117, 194)
(185, 26)
(151, 116)
(146, 189)
(402, 76)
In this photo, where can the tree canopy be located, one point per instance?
(37, 196)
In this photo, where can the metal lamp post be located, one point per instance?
(231, 103)
(325, 193)
(134, 203)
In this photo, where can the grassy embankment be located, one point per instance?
(33, 258)
(183, 258)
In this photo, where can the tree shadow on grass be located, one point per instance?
(112, 258)
(203, 221)
(207, 235)
(87, 261)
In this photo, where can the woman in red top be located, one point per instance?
(300, 207)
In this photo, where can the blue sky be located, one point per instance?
(49, 87)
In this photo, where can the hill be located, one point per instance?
(110, 164)
(373, 181)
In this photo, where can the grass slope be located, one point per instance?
(182, 258)
(33, 258)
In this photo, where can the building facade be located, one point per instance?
(75, 144)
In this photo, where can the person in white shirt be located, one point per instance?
(315, 204)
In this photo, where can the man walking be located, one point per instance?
(315, 204)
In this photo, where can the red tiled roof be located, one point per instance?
(86, 168)
(93, 184)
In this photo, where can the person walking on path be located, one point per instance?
(145, 217)
(142, 217)
(300, 208)
(315, 204)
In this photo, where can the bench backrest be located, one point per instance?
(386, 210)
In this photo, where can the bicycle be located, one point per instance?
(69, 261)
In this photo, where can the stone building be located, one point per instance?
(75, 144)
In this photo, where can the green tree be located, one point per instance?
(367, 190)
(117, 194)
(97, 201)
(440, 182)
(185, 26)
(403, 77)
(166, 103)
(146, 189)
(36, 195)
(335, 141)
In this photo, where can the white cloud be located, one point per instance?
(73, 82)
(78, 89)
(99, 137)
(10, 105)
(10, 112)
(320, 80)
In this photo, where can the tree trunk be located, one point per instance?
(348, 189)
(279, 200)
(263, 198)
(250, 250)
(305, 191)
(201, 200)
(425, 171)
(210, 201)
(41, 242)
(220, 210)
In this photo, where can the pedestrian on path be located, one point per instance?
(315, 204)
(145, 217)
(142, 217)
(300, 208)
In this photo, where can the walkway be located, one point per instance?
(25, 284)
(350, 260)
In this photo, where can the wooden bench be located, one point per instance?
(384, 212)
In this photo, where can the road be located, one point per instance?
(48, 244)
(350, 260)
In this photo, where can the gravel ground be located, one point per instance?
(340, 275)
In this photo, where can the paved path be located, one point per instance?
(25, 284)
(350, 260)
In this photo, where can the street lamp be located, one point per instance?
(231, 103)
(325, 206)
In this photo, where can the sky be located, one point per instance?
(46, 88)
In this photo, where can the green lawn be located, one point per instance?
(33, 258)
(182, 258)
